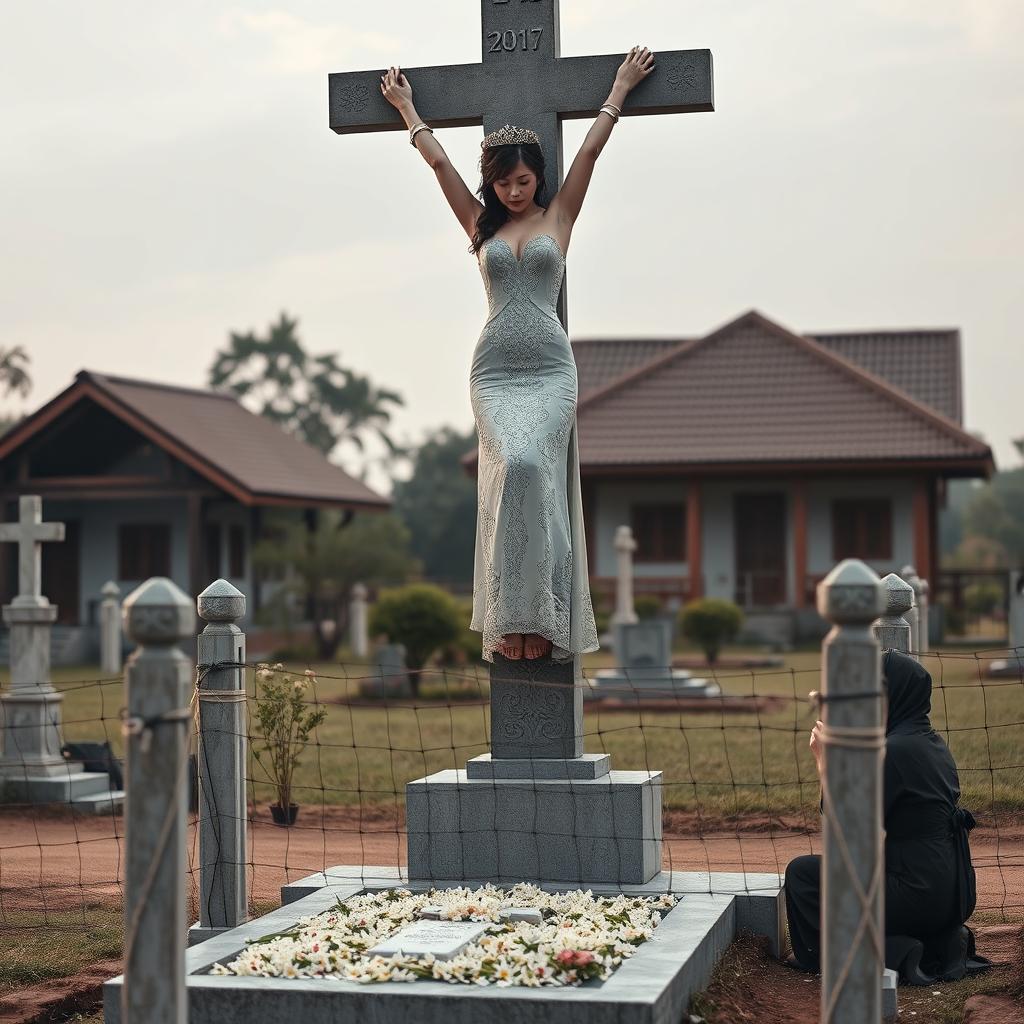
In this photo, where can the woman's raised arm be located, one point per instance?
(466, 207)
(639, 63)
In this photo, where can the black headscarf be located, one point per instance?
(909, 687)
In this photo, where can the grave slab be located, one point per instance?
(442, 939)
(653, 987)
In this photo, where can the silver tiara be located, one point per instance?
(509, 135)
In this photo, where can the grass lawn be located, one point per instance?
(714, 762)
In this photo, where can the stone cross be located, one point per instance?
(29, 533)
(522, 80)
(624, 548)
(110, 629)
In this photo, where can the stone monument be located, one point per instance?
(110, 629)
(32, 768)
(357, 622)
(1013, 665)
(643, 649)
(625, 545)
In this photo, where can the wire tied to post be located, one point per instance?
(870, 738)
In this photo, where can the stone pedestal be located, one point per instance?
(643, 657)
(30, 710)
(110, 629)
(536, 807)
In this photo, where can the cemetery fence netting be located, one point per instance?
(738, 787)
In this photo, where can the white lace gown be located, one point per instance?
(530, 568)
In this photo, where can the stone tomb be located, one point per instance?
(653, 987)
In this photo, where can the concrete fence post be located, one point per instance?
(892, 629)
(359, 637)
(853, 871)
(110, 629)
(914, 617)
(221, 758)
(158, 681)
(924, 622)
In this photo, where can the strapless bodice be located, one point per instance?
(535, 277)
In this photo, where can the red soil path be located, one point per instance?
(58, 861)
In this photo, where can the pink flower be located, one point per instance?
(565, 957)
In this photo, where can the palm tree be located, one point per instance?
(13, 375)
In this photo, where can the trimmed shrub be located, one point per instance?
(710, 622)
(421, 616)
(647, 606)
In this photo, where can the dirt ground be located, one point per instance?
(57, 864)
(52, 860)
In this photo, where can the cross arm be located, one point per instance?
(448, 97)
(682, 82)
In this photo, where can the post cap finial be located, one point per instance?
(851, 593)
(158, 612)
(110, 589)
(221, 602)
(899, 595)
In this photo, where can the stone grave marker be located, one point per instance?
(1013, 665)
(443, 939)
(32, 768)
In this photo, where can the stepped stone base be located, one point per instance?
(85, 792)
(579, 830)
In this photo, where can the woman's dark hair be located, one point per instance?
(498, 162)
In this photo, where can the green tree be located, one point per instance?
(324, 403)
(327, 561)
(420, 616)
(710, 622)
(438, 504)
(13, 378)
(989, 524)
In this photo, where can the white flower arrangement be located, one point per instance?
(582, 936)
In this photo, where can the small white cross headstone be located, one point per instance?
(625, 545)
(444, 939)
(29, 533)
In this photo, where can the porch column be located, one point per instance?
(799, 544)
(694, 539)
(922, 520)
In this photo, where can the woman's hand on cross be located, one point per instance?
(639, 63)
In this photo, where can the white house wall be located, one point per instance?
(98, 540)
(821, 494)
(613, 499)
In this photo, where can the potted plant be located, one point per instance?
(286, 720)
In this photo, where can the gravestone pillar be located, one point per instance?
(909, 574)
(110, 629)
(158, 678)
(1017, 610)
(625, 545)
(892, 629)
(359, 639)
(221, 760)
(30, 711)
(852, 922)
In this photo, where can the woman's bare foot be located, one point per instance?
(536, 646)
(511, 646)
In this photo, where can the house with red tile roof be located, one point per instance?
(750, 460)
(156, 480)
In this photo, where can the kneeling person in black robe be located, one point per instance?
(929, 880)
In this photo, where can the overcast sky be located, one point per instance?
(168, 176)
